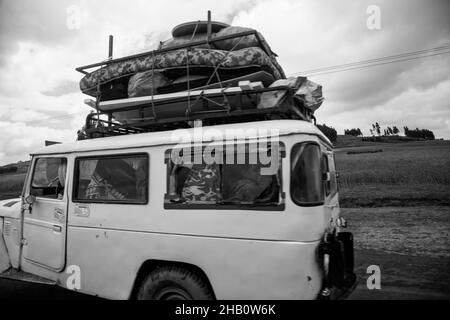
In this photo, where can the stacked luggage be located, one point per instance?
(205, 69)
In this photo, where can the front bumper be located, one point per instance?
(337, 257)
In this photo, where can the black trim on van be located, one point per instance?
(112, 156)
(296, 201)
(279, 206)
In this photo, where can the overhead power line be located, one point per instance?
(376, 64)
(377, 61)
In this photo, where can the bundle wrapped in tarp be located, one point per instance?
(240, 42)
(237, 43)
(310, 93)
(307, 92)
(182, 40)
(199, 57)
(146, 83)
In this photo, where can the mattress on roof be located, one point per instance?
(196, 57)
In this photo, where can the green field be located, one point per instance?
(403, 174)
(11, 185)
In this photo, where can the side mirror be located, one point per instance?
(30, 199)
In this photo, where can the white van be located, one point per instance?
(121, 218)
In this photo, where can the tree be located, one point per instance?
(353, 132)
(390, 131)
(329, 132)
(406, 130)
(419, 133)
(395, 130)
(377, 126)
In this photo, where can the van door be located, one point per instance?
(44, 229)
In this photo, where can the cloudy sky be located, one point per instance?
(41, 43)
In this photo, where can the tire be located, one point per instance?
(174, 283)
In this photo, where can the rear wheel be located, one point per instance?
(174, 283)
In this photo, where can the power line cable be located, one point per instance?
(375, 64)
(370, 61)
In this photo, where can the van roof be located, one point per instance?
(283, 127)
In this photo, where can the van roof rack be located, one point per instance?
(182, 109)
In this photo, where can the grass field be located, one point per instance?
(403, 174)
(11, 185)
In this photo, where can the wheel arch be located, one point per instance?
(153, 264)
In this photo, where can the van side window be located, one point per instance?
(221, 183)
(122, 179)
(306, 174)
(49, 178)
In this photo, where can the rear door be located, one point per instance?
(44, 229)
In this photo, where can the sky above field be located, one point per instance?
(41, 43)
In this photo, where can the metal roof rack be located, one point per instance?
(210, 108)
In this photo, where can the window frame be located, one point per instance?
(333, 174)
(326, 171)
(280, 206)
(76, 176)
(34, 172)
(299, 203)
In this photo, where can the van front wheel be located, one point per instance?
(174, 283)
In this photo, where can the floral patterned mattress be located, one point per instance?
(253, 56)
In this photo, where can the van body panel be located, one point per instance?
(12, 233)
(294, 272)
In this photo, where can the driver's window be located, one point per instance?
(49, 178)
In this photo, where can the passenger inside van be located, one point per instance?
(246, 184)
(202, 183)
(237, 184)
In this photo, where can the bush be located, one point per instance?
(419, 133)
(8, 169)
(329, 132)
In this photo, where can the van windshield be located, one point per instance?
(306, 174)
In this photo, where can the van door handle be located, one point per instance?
(57, 228)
